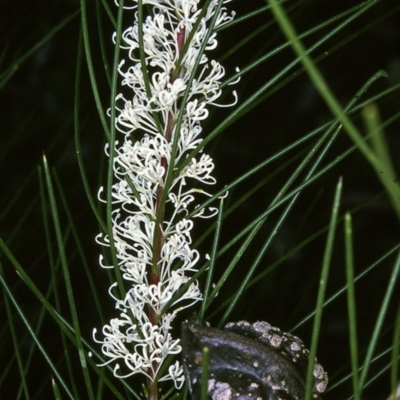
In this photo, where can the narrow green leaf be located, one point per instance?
(77, 136)
(56, 391)
(205, 362)
(54, 289)
(212, 260)
(89, 61)
(67, 280)
(110, 169)
(351, 304)
(379, 321)
(394, 372)
(322, 289)
(380, 149)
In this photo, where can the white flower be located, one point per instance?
(151, 231)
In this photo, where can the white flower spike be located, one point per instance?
(152, 239)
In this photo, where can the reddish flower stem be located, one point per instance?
(155, 274)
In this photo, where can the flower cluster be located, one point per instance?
(152, 197)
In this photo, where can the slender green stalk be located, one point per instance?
(89, 61)
(77, 136)
(103, 38)
(212, 260)
(394, 372)
(111, 141)
(54, 273)
(205, 362)
(379, 321)
(322, 289)
(56, 390)
(379, 146)
(67, 279)
(79, 247)
(351, 304)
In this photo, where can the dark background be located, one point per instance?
(37, 118)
